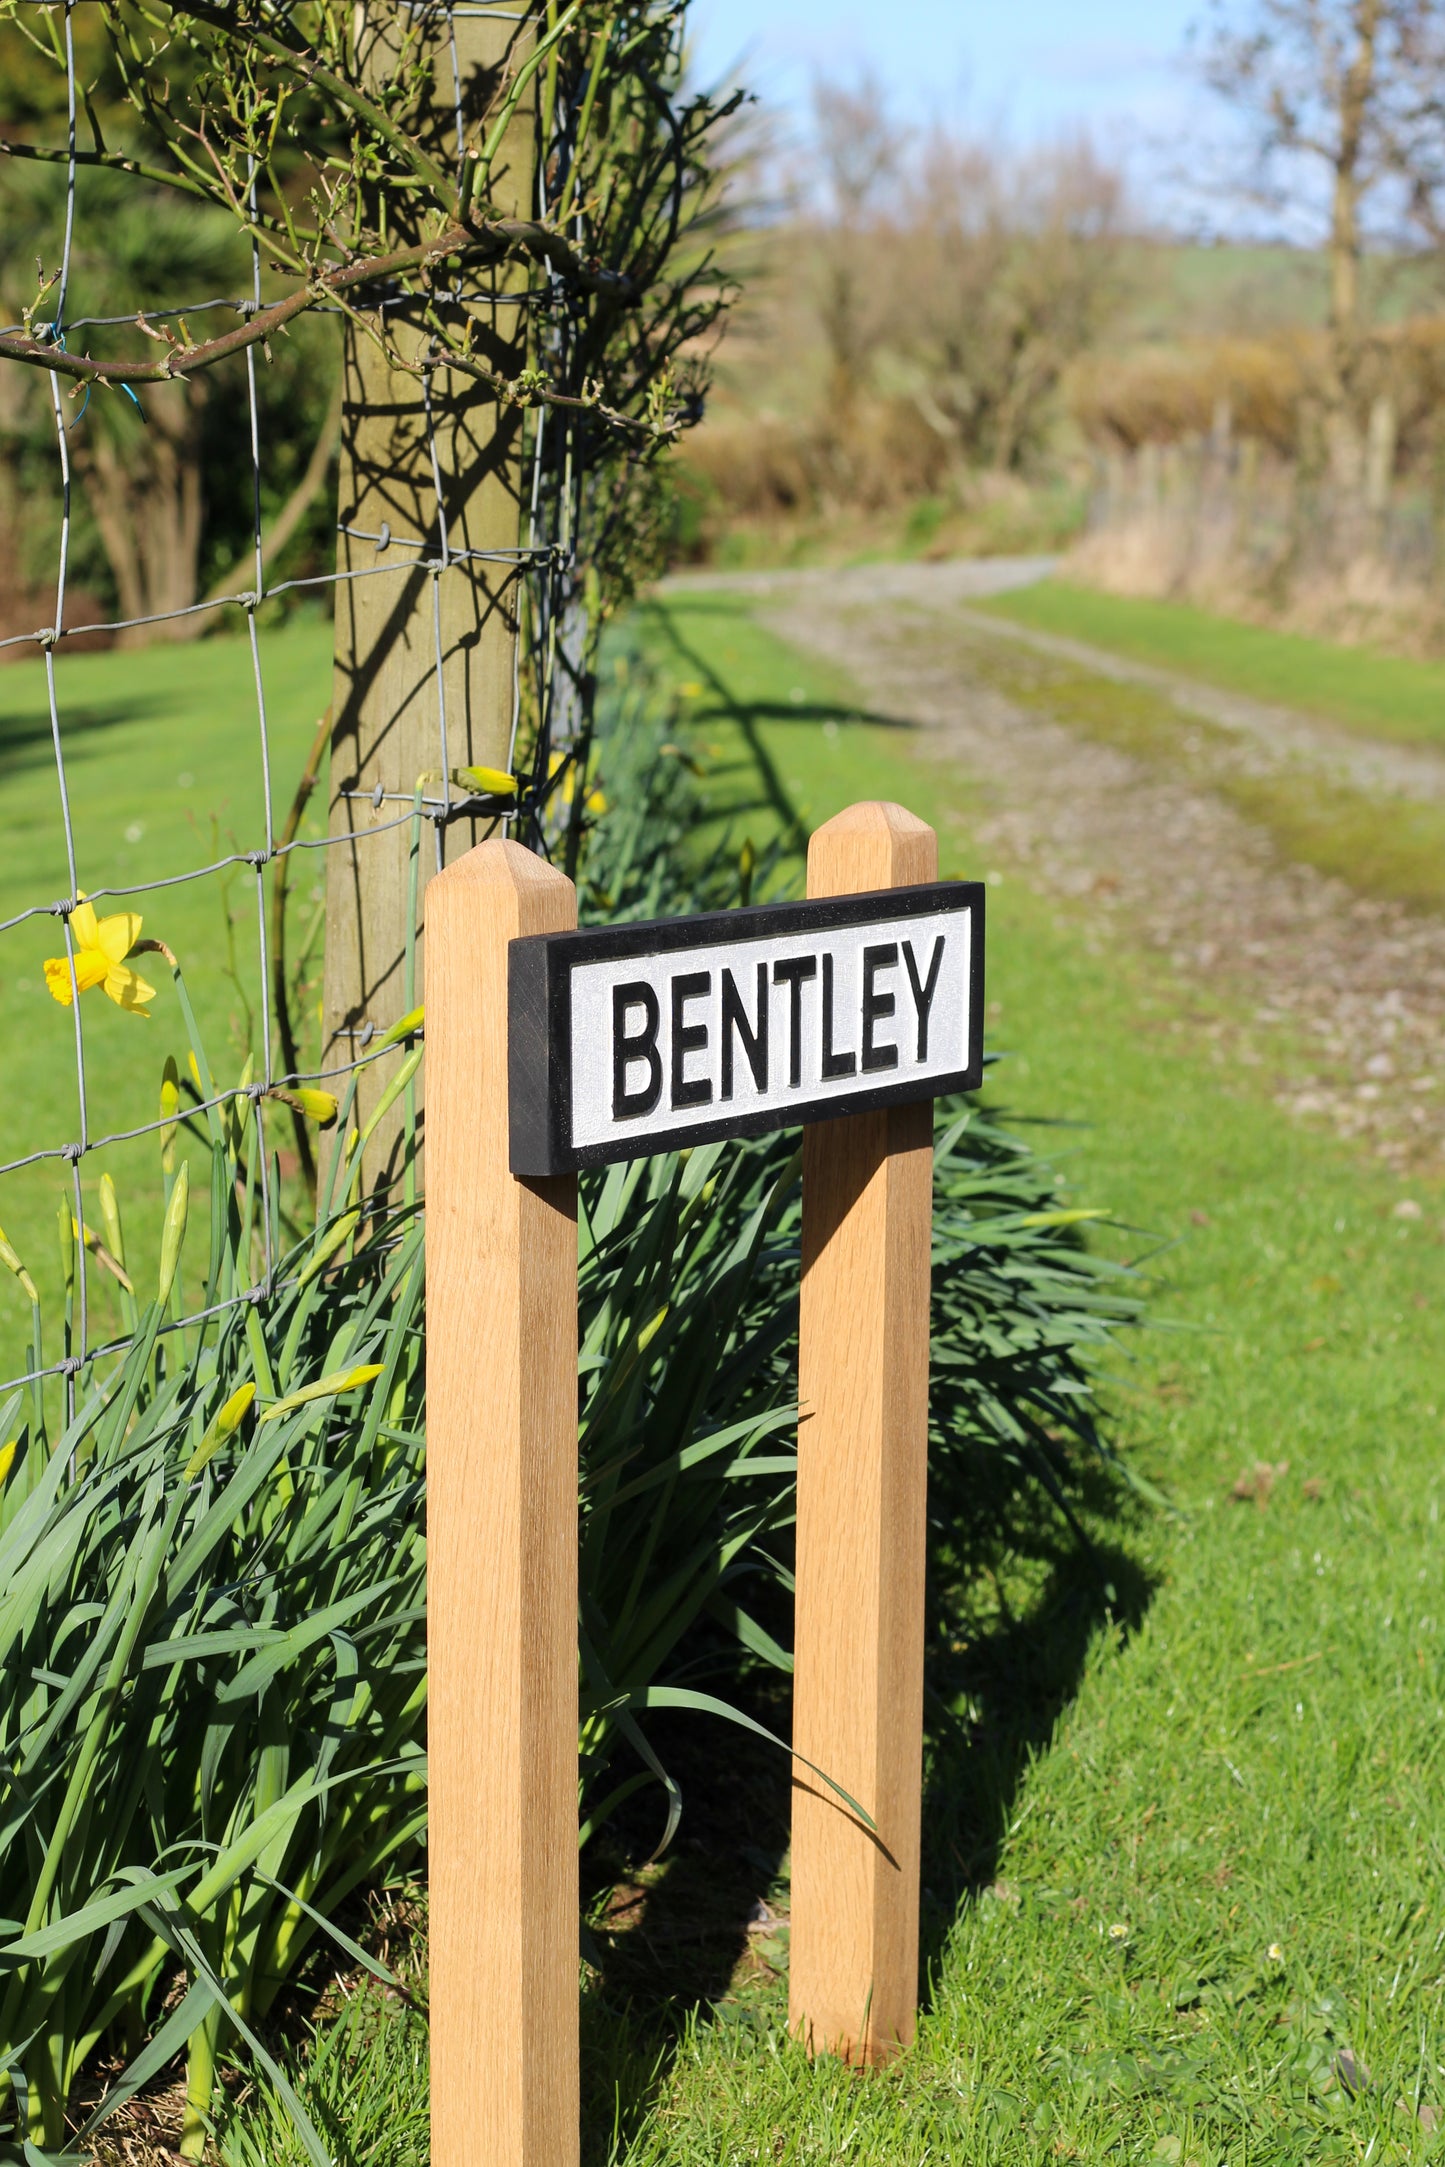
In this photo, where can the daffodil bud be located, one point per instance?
(238, 1108)
(318, 1106)
(223, 1425)
(173, 1233)
(110, 1216)
(402, 1028)
(9, 1257)
(494, 781)
(7, 1459)
(362, 1374)
(170, 1107)
(229, 1418)
(325, 1388)
(651, 1329)
(327, 1245)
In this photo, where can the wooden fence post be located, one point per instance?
(862, 1479)
(423, 659)
(501, 1554)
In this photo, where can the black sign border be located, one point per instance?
(539, 1020)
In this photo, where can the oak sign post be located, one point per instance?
(847, 1013)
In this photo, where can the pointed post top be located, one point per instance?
(871, 845)
(499, 863)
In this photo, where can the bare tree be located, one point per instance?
(140, 457)
(1004, 268)
(1343, 111)
(858, 151)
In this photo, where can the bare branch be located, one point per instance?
(492, 240)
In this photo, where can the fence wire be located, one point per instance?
(553, 629)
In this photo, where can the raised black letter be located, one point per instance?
(791, 973)
(923, 994)
(628, 1047)
(834, 1064)
(755, 1042)
(877, 1005)
(689, 1038)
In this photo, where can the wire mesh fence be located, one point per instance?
(472, 275)
(79, 1121)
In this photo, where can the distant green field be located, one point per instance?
(1375, 694)
(163, 765)
(1178, 291)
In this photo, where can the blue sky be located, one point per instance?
(1034, 67)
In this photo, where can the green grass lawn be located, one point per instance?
(162, 755)
(1377, 694)
(1184, 1845)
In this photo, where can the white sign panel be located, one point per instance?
(646, 1037)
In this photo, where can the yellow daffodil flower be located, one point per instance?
(101, 947)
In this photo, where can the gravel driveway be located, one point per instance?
(1338, 997)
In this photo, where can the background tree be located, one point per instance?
(1005, 268)
(1343, 131)
(907, 340)
(164, 510)
(856, 155)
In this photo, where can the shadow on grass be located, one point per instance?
(750, 715)
(25, 735)
(692, 1940)
(673, 1942)
(995, 1703)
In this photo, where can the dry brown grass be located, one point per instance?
(1272, 391)
(1173, 394)
(1267, 568)
(874, 455)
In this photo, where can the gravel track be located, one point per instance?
(1339, 998)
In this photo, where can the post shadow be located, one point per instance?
(994, 1700)
(673, 1951)
(25, 736)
